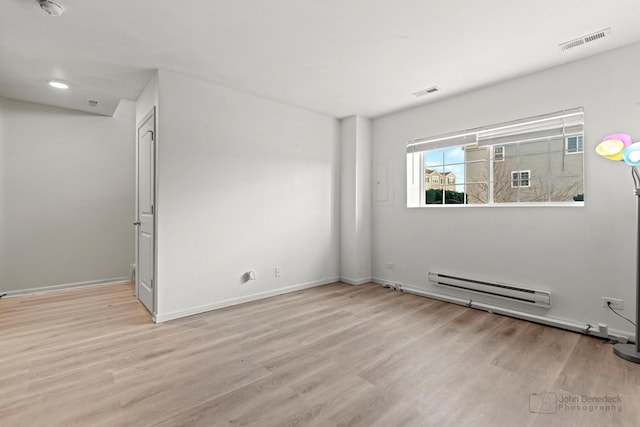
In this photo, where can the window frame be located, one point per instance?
(579, 144)
(483, 189)
(518, 180)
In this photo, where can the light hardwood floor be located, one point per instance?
(336, 355)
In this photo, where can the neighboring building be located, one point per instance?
(437, 181)
(527, 172)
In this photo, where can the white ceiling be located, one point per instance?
(338, 57)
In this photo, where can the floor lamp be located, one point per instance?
(618, 146)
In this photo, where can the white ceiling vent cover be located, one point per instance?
(426, 91)
(585, 39)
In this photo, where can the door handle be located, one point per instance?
(136, 223)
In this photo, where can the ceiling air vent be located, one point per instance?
(426, 91)
(585, 39)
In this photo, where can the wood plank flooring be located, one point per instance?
(336, 355)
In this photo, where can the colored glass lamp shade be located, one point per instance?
(613, 146)
(631, 154)
(618, 146)
(611, 149)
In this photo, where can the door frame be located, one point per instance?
(149, 115)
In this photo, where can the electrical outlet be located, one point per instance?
(389, 265)
(277, 271)
(617, 304)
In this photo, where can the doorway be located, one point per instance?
(145, 212)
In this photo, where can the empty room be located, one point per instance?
(319, 213)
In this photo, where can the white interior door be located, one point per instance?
(145, 262)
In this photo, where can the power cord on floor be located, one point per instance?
(3, 295)
(611, 308)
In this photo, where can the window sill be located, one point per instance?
(507, 205)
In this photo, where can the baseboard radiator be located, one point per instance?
(501, 290)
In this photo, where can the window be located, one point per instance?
(435, 180)
(533, 160)
(520, 178)
(575, 144)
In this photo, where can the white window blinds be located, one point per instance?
(559, 124)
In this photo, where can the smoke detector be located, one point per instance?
(51, 7)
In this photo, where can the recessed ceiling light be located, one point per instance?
(58, 85)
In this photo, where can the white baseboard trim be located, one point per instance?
(164, 317)
(355, 282)
(597, 329)
(622, 335)
(65, 287)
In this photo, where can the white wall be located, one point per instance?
(579, 254)
(66, 195)
(355, 205)
(244, 183)
(147, 100)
